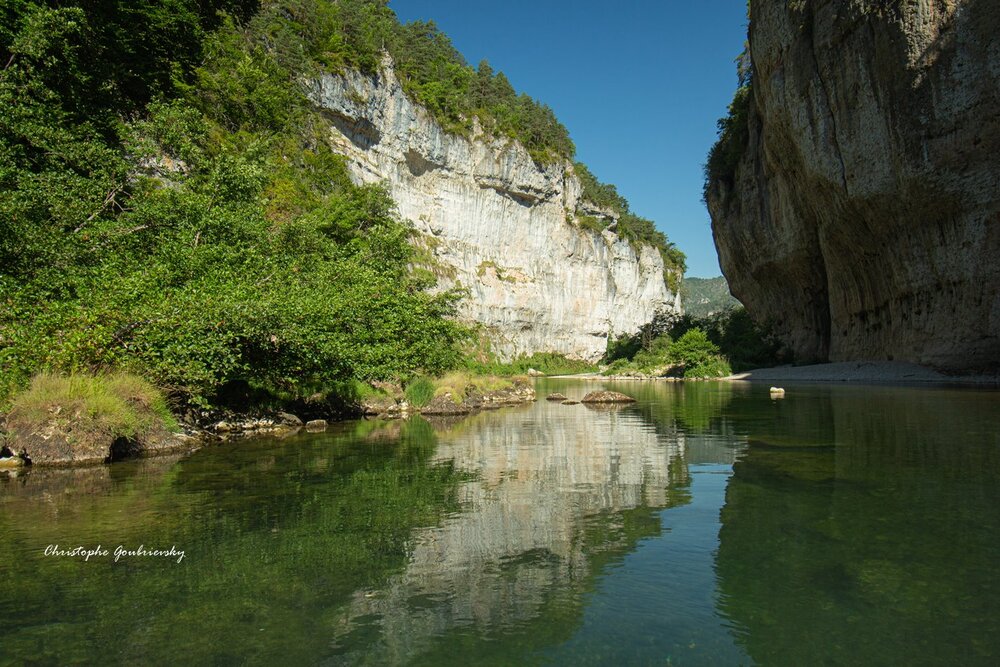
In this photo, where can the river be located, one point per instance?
(706, 524)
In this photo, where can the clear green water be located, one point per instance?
(705, 525)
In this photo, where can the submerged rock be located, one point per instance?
(607, 397)
(316, 425)
(555, 397)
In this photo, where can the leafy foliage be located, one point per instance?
(699, 356)
(743, 342)
(209, 239)
(693, 355)
(419, 391)
(746, 343)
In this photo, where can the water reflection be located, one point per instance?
(558, 490)
(876, 541)
(705, 524)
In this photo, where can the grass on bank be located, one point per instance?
(97, 406)
(458, 384)
(549, 363)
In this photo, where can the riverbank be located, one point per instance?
(80, 420)
(865, 372)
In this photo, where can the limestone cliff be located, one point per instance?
(863, 219)
(497, 224)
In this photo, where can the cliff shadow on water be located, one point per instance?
(879, 544)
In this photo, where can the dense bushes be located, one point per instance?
(692, 355)
(701, 347)
(744, 342)
(211, 238)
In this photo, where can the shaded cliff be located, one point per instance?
(863, 218)
(495, 222)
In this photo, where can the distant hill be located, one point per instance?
(706, 296)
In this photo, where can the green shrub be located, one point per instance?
(693, 353)
(654, 355)
(419, 391)
(699, 356)
(745, 343)
(617, 367)
(715, 367)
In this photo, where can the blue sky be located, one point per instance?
(639, 83)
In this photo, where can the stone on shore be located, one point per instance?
(445, 405)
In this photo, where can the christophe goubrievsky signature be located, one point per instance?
(119, 552)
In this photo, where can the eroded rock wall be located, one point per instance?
(497, 224)
(864, 217)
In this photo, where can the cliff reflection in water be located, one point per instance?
(877, 544)
(840, 525)
(558, 491)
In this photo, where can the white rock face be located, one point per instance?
(497, 224)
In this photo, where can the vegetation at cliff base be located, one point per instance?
(692, 355)
(98, 408)
(709, 346)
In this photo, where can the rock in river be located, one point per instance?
(606, 397)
